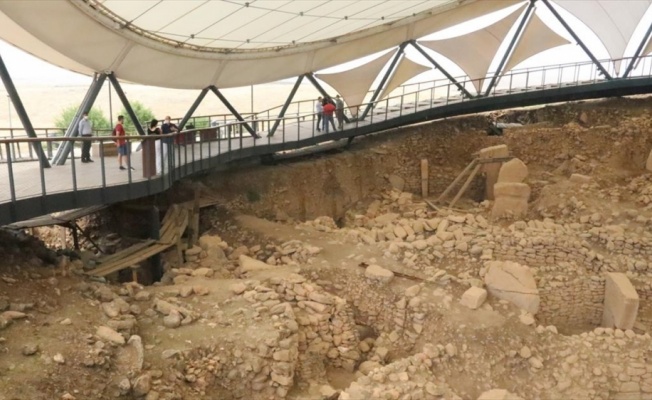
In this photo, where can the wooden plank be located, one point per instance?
(457, 180)
(466, 185)
(118, 265)
(126, 252)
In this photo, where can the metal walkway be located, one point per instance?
(29, 191)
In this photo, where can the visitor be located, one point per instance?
(339, 112)
(123, 145)
(329, 109)
(86, 130)
(167, 128)
(160, 149)
(319, 110)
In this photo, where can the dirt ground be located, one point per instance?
(330, 277)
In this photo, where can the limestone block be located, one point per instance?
(498, 394)
(378, 273)
(620, 302)
(491, 170)
(513, 282)
(248, 264)
(579, 178)
(648, 166)
(511, 199)
(474, 297)
(514, 170)
(397, 182)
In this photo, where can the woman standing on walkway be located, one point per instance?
(161, 150)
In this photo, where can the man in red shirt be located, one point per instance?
(123, 146)
(329, 109)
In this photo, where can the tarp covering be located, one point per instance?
(406, 70)
(353, 84)
(613, 21)
(475, 51)
(536, 38)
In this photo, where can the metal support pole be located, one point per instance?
(637, 54)
(577, 39)
(233, 111)
(390, 71)
(193, 108)
(443, 71)
(22, 113)
(155, 233)
(93, 91)
(286, 105)
(517, 36)
(125, 103)
(321, 90)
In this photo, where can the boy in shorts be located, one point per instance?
(123, 146)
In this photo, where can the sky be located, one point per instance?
(28, 70)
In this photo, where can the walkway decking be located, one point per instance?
(38, 192)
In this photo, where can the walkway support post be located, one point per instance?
(389, 72)
(232, 109)
(155, 233)
(321, 90)
(193, 108)
(512, 44)
(286, 105)
(125, 103)
(91, 95)
(637, 54)
(577, 39)
(443, 71)
(22, 113)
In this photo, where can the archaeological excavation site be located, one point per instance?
(444, 260)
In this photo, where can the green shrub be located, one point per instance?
(144, 115)
(96, 116)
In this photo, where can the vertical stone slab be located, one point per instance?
(620, 302)
(648, 166)
(511, 200)
(492, 170)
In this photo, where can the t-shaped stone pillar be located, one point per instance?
(620, 302)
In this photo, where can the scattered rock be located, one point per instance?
(107, 334)
(379, 274)
(474, 297)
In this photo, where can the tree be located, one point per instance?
(144, 115)
(96, 116)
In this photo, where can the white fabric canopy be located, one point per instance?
(613, 21)
(475, 51)
(536, 38)
(84, 37)
(406, 70)
(353, 84)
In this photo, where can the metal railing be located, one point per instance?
(164, 159)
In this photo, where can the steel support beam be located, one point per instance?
(233, 111)
(517, 36)
(443, 71)
(637, 54)
(577, 39)
(193, 108)
(390, 70)
(286, 105)
(22, 113)
(125, 103)
(321, 90)
(91, 95)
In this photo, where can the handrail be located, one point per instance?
(197, 150)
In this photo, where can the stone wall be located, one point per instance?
(574, 300)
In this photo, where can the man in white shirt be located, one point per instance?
(86, 130)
